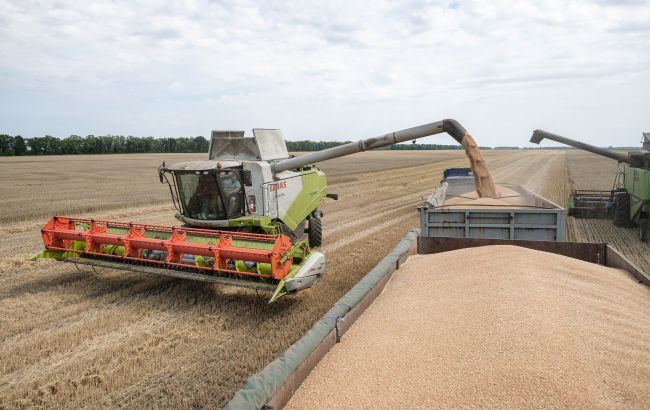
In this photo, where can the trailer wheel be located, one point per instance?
(643, 229)
(315, 231)
(622, 209)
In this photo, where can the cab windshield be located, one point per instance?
(210, 195)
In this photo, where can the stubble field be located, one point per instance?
(79, 339)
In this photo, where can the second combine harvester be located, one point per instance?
(245, 213)
(628, 201)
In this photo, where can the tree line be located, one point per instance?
(120, 144)
(106, 144)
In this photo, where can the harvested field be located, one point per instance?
(466, 329)
(76, 338)
(603, 230)
(589, 171)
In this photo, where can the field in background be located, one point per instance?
(124, 339)
(590, 171)
(37, 187)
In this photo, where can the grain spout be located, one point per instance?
(484, 183)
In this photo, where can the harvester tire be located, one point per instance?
(622, 209)
(315, 231)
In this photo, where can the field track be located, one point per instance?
(77, 338)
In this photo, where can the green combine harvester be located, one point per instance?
(250, 216)
(628, 203)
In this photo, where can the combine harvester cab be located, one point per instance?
(250, 212)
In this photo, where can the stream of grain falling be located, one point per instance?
(484, 183)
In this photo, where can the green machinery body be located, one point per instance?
(637, 184)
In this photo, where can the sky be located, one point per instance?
(327, 70)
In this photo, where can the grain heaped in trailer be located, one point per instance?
(492, 326)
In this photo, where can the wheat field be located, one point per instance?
(76, 338)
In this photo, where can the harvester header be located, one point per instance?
(225, 257)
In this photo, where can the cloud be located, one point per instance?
(335, 70)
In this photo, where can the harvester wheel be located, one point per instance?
(622, 209)
(643, 229)
(315, 231)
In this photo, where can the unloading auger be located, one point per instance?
(245, 213)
